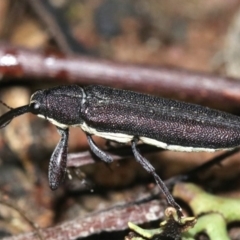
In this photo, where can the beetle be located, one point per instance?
(125, 116)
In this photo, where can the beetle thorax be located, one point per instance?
(60, 105)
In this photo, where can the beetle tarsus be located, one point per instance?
(98, 152)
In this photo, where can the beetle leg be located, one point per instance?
(58, 161)
(149, 168)
(98, 152)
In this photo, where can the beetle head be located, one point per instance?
(60, 105)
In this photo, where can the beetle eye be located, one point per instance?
(34, 106)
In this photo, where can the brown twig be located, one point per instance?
(114, 219)
(192, 174)
(189, 86)
(8, 202)
(85, 158)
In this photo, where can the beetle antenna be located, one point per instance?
(4, 104)
(6, 118)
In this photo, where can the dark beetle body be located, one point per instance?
(172, 122)
(181, 126)
(126, 116)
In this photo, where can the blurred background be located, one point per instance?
(197, 35)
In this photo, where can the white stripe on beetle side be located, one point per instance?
(125, 138)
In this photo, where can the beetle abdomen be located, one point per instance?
(185, 126)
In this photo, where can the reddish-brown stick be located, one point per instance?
(201, 88)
